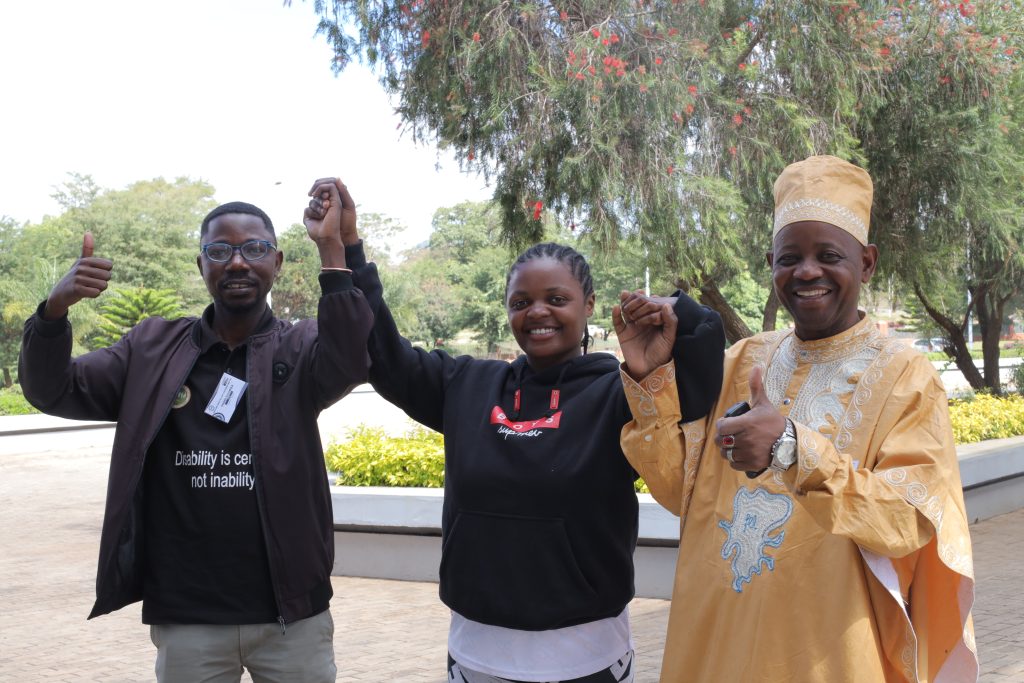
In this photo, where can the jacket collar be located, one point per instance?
(205, 337)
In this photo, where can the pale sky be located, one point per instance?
(236, 92)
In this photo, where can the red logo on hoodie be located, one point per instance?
(498, 417)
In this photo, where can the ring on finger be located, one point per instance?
(728, 440)
(728, 455)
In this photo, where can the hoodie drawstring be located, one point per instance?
(553, 401)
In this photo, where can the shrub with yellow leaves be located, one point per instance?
(372, 458)
(986, 417)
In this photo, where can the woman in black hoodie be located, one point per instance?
(540, 516)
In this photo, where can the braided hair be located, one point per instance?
(567, 256)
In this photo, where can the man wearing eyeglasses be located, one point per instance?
(218, 513)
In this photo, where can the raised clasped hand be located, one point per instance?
(87, 279)
(646, 329)
(328, 195)
(747, 440)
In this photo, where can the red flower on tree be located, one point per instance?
(476, 37)
(537, 208)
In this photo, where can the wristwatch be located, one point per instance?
(784, 449)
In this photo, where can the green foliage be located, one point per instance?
(667, 118)
(985, 417)
(455, 282)
(747, 298)
(150, 230)
(668, 123)
(1017, 378)
(123, 309)
(371, 458)
(13, 402)
(296, 292)
(467, 238)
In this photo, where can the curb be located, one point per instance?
(57, 428)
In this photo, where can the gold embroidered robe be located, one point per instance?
(855, 564)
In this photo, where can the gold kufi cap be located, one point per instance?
(825, 189)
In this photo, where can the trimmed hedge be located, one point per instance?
(984, 417)
(372, 458)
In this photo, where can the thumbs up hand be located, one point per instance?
(747, 440)
(87, 278)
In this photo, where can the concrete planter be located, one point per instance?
(395, 533)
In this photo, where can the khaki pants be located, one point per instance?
(210, 653)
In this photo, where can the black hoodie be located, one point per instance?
(540, 516)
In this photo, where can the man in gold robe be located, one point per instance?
(823, 535)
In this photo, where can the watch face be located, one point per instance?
(783, 454)
(786, 453)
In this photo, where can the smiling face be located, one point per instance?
(547, 311)
(239, 286)
(817, 270)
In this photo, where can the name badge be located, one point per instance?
(226, 397)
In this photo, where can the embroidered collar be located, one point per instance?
(832, 348)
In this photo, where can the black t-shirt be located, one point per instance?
(206, 559)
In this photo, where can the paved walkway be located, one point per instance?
(51, 505)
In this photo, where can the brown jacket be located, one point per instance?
(293, 374)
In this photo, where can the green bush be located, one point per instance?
(372, 458)
(12, 402)
(1017, 377)
(986, 417)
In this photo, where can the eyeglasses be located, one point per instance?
(253, 250)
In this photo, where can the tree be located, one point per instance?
(430, 303)
(296, 292)
(665, 121)
(32, 260)
(150, 230)
(10, 322)
(465, 239)
(670, 121)
(947, 158)
(123, 309)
